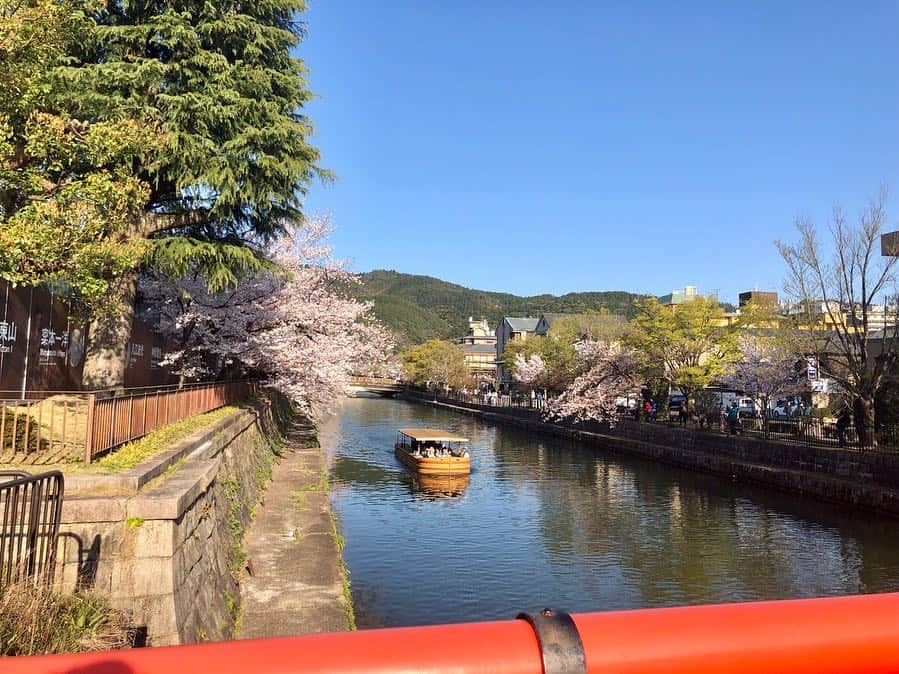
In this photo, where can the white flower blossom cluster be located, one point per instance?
(298, 327)
(611, 372)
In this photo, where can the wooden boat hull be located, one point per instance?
(436, 465)
(441, 485)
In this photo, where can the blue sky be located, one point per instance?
(553, 147)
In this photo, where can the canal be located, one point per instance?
(545, 522)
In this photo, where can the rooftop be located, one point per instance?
(522, 324)
(479, 348)
(432, 434)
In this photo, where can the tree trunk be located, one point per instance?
(110, 333)
(689, 394)
(863, 416)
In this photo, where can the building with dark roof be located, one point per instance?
(510, 329)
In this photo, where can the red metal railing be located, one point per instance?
(122, 418)
(843, 635)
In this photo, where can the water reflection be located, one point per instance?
(440, 486)
(545, 522)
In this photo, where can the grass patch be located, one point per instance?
(134, 522)
(36, 621)
(299, 496)
(130, 455)
(237, 556)
(235, 613)
(344, 575)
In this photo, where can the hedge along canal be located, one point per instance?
(547, 521)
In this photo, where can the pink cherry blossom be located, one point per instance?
(529, 370)
(611, 373)
(299, 327)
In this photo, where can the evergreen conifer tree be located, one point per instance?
(233, 161)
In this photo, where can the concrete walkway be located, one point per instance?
(297, 586)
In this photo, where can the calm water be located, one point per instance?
(544, 522)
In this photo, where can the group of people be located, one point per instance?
(483, 397)
(430, 450)
(649, 410)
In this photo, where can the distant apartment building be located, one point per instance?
(479, 347)
(510, 329)
(479, 332)
(758, 297)
(679, 296)
(832, 314)
(690, 293)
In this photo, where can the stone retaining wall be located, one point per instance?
(169, 552)
(862, 479)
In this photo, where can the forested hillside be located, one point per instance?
(422, 307)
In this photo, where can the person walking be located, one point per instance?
(682, 414)
(733, 417)
(843, 421)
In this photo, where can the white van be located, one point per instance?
(748, 408)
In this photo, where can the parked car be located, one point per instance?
(785, 409)
(781, 411)
(748, 408)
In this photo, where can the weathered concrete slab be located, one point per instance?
(297, 586)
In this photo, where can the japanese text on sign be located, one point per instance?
(7, 336)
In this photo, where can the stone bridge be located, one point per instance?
(381, 386)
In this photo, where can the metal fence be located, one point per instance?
(56, 426)
(817, 432)
(804, 430)
(122, 418)
(31, 506)
(49, 425)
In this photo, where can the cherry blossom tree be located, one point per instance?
(766, 368)
(529, 370)
(611, 372)
(294, 324)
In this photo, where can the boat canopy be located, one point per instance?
(431, 435)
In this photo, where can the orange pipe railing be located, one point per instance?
(845, 635)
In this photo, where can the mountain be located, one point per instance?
(422, 307)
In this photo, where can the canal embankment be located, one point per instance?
(296, 582)
(169, 541)
(862, 479)
(162, 540)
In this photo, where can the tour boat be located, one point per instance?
(430, 451)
